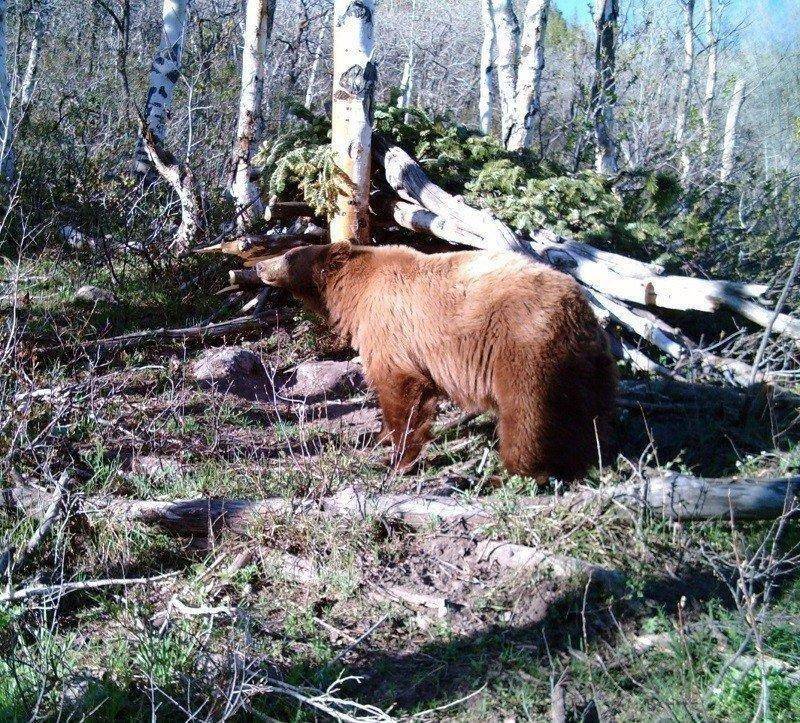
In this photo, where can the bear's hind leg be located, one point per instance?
(409, 403)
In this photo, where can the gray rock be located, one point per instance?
(230, 363)
(316, 380)
(156, 467)
(93, 295)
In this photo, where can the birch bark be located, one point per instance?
(529, 75)
(407, 81)
(711, 81)
(486, 99)
(164, 73)
(686, 80)
(603, 99)
(351, 115)
(258, 26)
(28, 82)
(506, 29)
(729, 140)
(312, 75)
(6, 129)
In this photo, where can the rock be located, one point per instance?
(233, 369)
(313, 381)
(157, 468)
(94, 295)
(230, 362)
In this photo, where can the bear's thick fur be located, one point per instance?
(491, 330)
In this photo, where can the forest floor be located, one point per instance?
(410, 620)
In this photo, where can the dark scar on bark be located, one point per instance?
(356, 10)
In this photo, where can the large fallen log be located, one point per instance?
(671, 495)
(433, 210)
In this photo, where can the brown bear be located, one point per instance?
(490, 330)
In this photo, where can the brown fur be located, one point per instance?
(490, 330)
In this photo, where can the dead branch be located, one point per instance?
(77, 586)
(411, 183)
(248, 247)
(671, 495)
(522, 557)
(182, 180)
(199, 332)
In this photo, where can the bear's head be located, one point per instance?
(306, 271)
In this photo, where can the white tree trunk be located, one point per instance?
(506, 30)
(351, 115)
(32, 66)
(6, 129)
(711, 82)
(529, 75)
(164, 74)
(686, 80)
(729, 140)
(407, 82)
(486, 99)
(312, 76)
(604, 89)
(257, 28)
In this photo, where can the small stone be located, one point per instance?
(315, 380)
(94, 295)
(228, 364)
(155, 467)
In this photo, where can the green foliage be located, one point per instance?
(739, 695)
(524, 191)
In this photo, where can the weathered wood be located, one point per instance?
(530, 559)
(411, 183)
(248, 247)
(611, 274)
(199, 332)
(182, 180)
(244, 277)
(414, 217)
(684, 497)
(670, 495)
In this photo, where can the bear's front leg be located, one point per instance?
(409, 403)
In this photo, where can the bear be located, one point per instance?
(494, 331)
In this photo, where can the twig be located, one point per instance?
(762, 347)
(67, 587)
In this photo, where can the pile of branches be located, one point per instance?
(625, 292)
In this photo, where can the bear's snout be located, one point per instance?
(273, 272)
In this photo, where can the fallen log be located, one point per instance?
(199, 332)
(613, 275)
(529, 559)
(248, 247)
(671, 495)
(406, 177)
